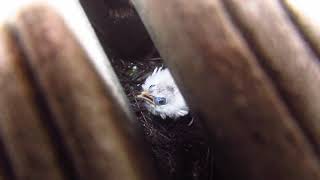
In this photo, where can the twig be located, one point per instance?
(135, 99)
(154, 59)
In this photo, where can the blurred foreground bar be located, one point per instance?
(60, 118)
(24, 136)
(229, 58)
(306, 14)
(286, 58)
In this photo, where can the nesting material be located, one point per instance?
(179, 147)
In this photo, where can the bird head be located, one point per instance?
(162, 96)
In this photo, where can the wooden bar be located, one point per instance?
(286, 57)
(100, 135)
(23, 133)
(253, 133)
(306, 15)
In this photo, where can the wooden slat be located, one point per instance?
(25, 137)
(306, 16)
(286, 57)
(223, 81)
(100, 136)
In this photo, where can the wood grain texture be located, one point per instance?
(254, 134)
(306, 15)
(287, 58)
(25, 138)
(101, 138)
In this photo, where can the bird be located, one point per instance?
(162, 96)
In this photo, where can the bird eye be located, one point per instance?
(152, 86)
(160, 100)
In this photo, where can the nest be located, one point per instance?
(179, 147)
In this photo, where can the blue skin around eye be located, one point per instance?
(160, 100)
(151, 86)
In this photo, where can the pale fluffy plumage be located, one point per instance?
(160, 84)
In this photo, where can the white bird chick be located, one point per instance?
(162, 96)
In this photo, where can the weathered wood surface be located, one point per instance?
(306, 15)
(23, 133)
(286, 58)
(97, 137)
(256, 133)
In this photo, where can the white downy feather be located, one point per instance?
(161, 84)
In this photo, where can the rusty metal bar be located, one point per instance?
(221, 77)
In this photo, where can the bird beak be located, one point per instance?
(145, 95)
